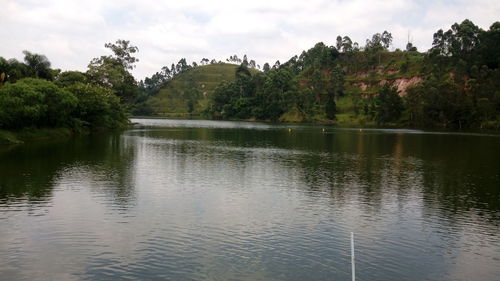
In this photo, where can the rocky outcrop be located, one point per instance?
(402, 84)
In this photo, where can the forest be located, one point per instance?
(458, 86)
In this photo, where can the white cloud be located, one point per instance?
(71, 33)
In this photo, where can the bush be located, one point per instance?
(97, 106)
(35, 103)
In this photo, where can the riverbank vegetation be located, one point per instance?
(37, 101)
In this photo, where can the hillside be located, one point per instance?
(453, 85)
(193, 86)
(364, 80)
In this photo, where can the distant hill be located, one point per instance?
(361, 80)
(196, 85)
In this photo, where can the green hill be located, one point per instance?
(195, 85)
(364, 76)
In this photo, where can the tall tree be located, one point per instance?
(123, 52)
(339, 43)
(388, 105)
(113, 71)
(331, 106)
(266, 67)
(38, 65)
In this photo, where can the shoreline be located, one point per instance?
(335, 123)
(16, 137)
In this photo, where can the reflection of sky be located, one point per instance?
(182, 208)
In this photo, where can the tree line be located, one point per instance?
(460, 85)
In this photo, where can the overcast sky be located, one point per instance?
(71, 33)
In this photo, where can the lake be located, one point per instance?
(216, 200)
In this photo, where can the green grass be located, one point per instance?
(292, 116)
(350, 119)
(170, 102)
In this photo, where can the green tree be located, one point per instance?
(38, 65)
(68, 78)
(347, 44)
(266, 67)
(123, 52)
(388, 105)
(331, 106)
(113, 71)
(338, 43)
(98, 107)
(35, 103)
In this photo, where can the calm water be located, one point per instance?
(203, 200)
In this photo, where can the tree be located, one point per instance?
(266, 67)
(388, 105)
(38, 65)
(489, 50)
(123, 52)
(109, 72)
(347, 44)
(182, 66)
(459, 41)
(245, 60)
(4, 69)
(277, 65)
(68, 78)
(410, 47)
(379, 41)
(331, 106)
(339, 43)
(386, 40)
(113, 71)
(252, 64)
(97, 106)
(34, 102)
(336, 81)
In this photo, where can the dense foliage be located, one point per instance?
(35, 103)
(461, 86)
(32, 95)
(306, 84)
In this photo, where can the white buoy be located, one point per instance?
(352, 258)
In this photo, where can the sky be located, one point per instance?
(71, 33)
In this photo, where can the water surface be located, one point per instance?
(208, 200)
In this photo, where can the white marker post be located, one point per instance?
(352, 257)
